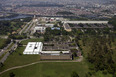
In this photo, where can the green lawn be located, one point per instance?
(31, 40)
(17, 58)
(50, 70)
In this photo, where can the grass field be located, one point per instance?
(50, 70)
(31, 40)
(17, 58)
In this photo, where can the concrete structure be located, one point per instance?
(39, 29)
(67, 27)
(57, 28)
(55, 52)
(86, 22)
(36, 48)
(49, 25)
(33, 48)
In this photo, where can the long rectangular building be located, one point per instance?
(86, 22)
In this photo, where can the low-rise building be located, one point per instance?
(57, 28)
(40, 29)
(36, 48)
(33, 48)
(67, 27)
(49, 25)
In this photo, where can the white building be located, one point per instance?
(36, 48)
(49, 25)
(40, 29)
(86, 22)
(33, 48)
(55, 52)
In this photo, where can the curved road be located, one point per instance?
(79, 60)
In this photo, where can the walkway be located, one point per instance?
(79, 60)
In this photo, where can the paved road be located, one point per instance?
(24, 27)
(78, 60)
(7, 54)
(5, 48)
(28, 27)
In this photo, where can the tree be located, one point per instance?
(74, 74)
(12, 74)
(74, 54)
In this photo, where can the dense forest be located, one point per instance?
(99, 49)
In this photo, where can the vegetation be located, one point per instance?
(16, 36)
(4, 42)
(65, 13)
(113, 21)
(74, 74)
(50, 70)
(55, 34)
(31, 40)
(17, 58)
(97, 46)
(7, 27)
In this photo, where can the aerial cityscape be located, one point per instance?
(57, 38)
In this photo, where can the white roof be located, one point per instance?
(33, 47)
(36, 48)
(30, 47)
(89, 22)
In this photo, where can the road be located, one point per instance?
(15, 45)
(31, 23)
(78, 60)
(8, 53)
(5, 48)
(24, 27)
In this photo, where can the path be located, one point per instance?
(79, 60)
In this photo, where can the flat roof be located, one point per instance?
(33, 47)
(89, 22)
(36, 48)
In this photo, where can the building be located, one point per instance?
(54, 52)
(36, 48)
(49, 25)
(33, 48)
(86, 22)
(53, 28)
(67, 27)
(40, 29)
